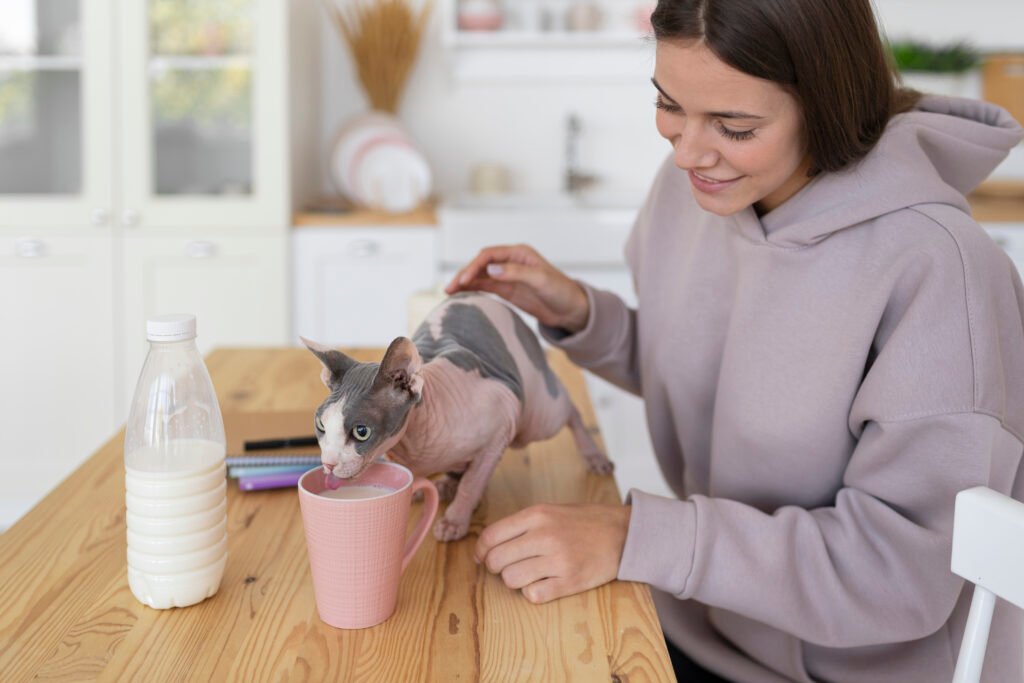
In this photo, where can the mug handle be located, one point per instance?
(430, 503)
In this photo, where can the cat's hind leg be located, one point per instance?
(595, 458)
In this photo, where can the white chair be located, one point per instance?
(988, 550)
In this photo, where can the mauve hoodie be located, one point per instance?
(820, 382)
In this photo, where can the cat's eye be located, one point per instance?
(361, 432)
(318, 423)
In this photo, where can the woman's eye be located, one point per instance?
(660, 103)
(735, 134)
(361, 432)
(318, 423)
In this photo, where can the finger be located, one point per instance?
(505, 530)
(498, 254)
(515, 272)
(523, 547)
(526, 572)
(547, 590)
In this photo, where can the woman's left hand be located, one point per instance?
(550, 551)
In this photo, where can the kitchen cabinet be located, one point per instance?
(143, 170)
(57, 360)
(352, 285)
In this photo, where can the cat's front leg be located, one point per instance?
(454, 524)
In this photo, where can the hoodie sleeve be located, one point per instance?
(607, 346)
(873, 568)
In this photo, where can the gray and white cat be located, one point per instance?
(472, 382)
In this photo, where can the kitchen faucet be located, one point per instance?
(575, 179)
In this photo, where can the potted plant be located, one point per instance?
(950, 69)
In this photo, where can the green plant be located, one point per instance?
(912, 55)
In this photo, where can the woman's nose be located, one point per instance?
(692, 148)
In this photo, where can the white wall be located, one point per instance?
(521, 124)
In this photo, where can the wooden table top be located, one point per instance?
(68, 613)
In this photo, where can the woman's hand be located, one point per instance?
(550, 551)
(526, 280)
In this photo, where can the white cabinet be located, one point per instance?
(352, 285)
(143, 169)
(57, 361)
(234, 283)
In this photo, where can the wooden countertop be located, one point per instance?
(995, 202)
(68, 613)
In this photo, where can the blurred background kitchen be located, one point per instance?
(258, 163)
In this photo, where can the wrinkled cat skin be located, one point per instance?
(472, 382)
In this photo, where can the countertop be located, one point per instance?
(68, 613)
(996, 202)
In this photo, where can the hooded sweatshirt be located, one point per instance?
(819, 384)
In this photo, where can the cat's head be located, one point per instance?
(365, 414)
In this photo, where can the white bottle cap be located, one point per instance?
(167, 328)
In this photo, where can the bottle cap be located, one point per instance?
(167, 328)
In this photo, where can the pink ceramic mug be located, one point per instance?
(357, 547)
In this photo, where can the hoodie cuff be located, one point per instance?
(660, 543)
(607, 324)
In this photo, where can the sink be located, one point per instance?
(569, 230)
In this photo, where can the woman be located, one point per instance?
(828, 346)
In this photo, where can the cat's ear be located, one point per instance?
(400, 369)
(335, 363)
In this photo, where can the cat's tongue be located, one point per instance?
(330, 481)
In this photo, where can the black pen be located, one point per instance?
(272, 444)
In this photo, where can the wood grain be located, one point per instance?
(68, 613)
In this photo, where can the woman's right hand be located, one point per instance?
(521, 276)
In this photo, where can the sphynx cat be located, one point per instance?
(472, 382)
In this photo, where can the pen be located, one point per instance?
(247, 471)
(287, 442)
(271, 460)
(269, 481)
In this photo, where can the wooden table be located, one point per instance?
(67, 612)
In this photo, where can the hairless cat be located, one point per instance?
(472, 382)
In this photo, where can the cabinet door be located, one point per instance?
(204, 113)
(56, 361)
(352, 286)
(55, 113)
(236, 287)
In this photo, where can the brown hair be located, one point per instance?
(827, 53)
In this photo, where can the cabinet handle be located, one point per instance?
(364, 248)
(100, 217)
(201, 249)
(30, 248)
(130, 218)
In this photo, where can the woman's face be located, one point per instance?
(739, 137)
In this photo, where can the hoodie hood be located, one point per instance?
(934, 154)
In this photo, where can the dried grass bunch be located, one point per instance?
(384, 38)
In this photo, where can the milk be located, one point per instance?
(357, 492)
(177, 522)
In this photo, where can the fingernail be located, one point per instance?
(464, 278)
(494, 270)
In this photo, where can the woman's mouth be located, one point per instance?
(710, 185)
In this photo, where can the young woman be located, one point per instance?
(828, 346)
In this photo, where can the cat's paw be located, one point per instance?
(598, 462)
(450, 530)
(446, 486)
